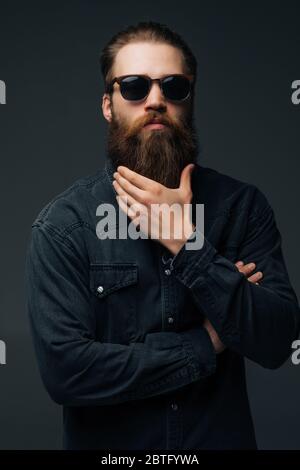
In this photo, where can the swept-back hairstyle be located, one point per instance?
(145, 32)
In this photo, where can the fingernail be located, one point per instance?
(239, 263)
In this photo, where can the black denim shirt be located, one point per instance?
(118, 323)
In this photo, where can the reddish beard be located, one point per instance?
(158, 154)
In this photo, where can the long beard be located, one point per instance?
(158, 154)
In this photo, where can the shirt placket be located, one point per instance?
(174, 420)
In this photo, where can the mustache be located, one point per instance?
(139, 123)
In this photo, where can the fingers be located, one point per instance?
(123, 194)
(185, 179)
(247, 269)
(256, 277)
(129, 188)
(135, 178)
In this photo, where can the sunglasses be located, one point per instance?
(176, 87)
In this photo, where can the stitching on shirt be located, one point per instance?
(74, 187)
(57, 234)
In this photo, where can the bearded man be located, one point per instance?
(142, 340)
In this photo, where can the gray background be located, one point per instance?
(52, 132)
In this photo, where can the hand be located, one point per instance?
(138, 194)
(246, 269)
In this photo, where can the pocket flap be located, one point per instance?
(109, 277)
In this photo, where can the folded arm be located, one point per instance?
(257, 321)
(78, 370)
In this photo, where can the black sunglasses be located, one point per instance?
(176, 87)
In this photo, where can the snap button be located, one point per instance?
(170, 319)
(174, 406)
(167, 272)
(100, 289)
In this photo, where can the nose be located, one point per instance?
(155, 99)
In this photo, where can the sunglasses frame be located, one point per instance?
(150, 80)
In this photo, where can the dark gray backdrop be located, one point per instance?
(52, 132)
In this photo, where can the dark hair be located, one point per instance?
(145, 31)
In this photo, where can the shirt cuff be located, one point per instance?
(200, 350)
(192, 258)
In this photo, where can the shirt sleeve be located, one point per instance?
(78, 370)
(261, 321)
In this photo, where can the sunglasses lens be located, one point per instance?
(134, 88)
(176, 88)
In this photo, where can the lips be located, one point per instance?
(155, 121)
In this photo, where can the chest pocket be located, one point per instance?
(114, 288)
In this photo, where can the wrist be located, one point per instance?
(174, 246)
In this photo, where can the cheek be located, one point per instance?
(125, 112)
(176, 112)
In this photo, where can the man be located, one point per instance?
(142, 340)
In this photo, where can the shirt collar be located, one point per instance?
(110, 169)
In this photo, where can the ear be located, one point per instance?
(106, 107)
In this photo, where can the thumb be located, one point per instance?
(185, 178)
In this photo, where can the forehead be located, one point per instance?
(153, 59)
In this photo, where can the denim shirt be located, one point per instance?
(118, 328)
